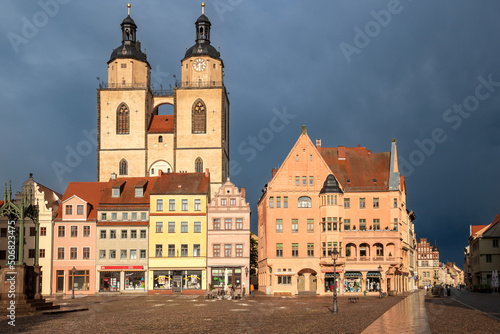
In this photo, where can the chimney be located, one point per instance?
(275, 170)
(341, 152)
(207, 173)
(160, 172)
(318, 143)
(243, 192)
(113, 176)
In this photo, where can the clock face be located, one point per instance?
(199, 64)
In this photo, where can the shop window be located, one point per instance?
(82, 280)
(134, 280)
(109, 281)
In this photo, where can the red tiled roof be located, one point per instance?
(476, 228)
(182, 183)
(123, 223)
(360, 167)
(90, 192)
(162, 124)
(1, 203)
(127, 196)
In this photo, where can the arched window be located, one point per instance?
(198, 165)
(122, 120)
(304, 202)
(123, 167)
(199, 117)
(160, 139)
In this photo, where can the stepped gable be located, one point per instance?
(364, 170)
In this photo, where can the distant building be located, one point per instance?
(428, 264)
(347, 199)
(484, 252)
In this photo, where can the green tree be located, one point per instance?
(254, 254)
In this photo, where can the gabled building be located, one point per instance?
(342, 198)
(228, 253)
(74, 239)
(48, 201)
(178, 233)
(122, 235)
(484, 251)
(428, 264)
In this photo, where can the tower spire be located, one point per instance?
(128, 6)
(202, 8)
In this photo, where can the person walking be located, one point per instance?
(251, 289)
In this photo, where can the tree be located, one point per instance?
(254, 254)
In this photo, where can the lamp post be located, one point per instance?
(73, 282)
(335, 255)
(380, 289)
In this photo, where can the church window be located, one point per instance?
(122, 120)
(199, 117)
(198, 165)
(123, 167)
(160, 139)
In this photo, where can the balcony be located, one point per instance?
(199, 84)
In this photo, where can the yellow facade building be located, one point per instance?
(178, 233)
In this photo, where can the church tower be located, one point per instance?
(135, 141)
(123, 109)
(202, 110)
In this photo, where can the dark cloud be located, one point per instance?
(279, 54)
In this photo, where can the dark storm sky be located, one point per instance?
(424, 72)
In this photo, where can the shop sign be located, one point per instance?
(120, 267)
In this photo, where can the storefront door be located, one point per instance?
(313, 282)
(301, 283)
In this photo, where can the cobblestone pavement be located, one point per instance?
(447, 315)
(161, 313)
(408, 316)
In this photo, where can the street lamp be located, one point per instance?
(380, 288)
(335, 256)
(73, 282)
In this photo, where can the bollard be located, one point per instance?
(365, 294)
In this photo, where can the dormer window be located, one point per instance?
(69, 209)
(139, 192)
(79, 209)
(115, 192)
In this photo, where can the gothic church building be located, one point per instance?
(135, 141)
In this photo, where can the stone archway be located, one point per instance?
(307, 281)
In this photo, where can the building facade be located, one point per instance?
(74, 240)
(122, 235)
(428, 264)
(484, 252)
(228, 253)
(134, 140)
(345, 199)
(178, 233)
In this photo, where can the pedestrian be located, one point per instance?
(251, 289)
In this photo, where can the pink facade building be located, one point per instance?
(348, 199)
(74, 238)
(228, 253)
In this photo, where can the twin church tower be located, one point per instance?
(135, 141)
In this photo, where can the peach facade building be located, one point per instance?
(348, 199)
(428, 264)
(74, 239)
(228, 253)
